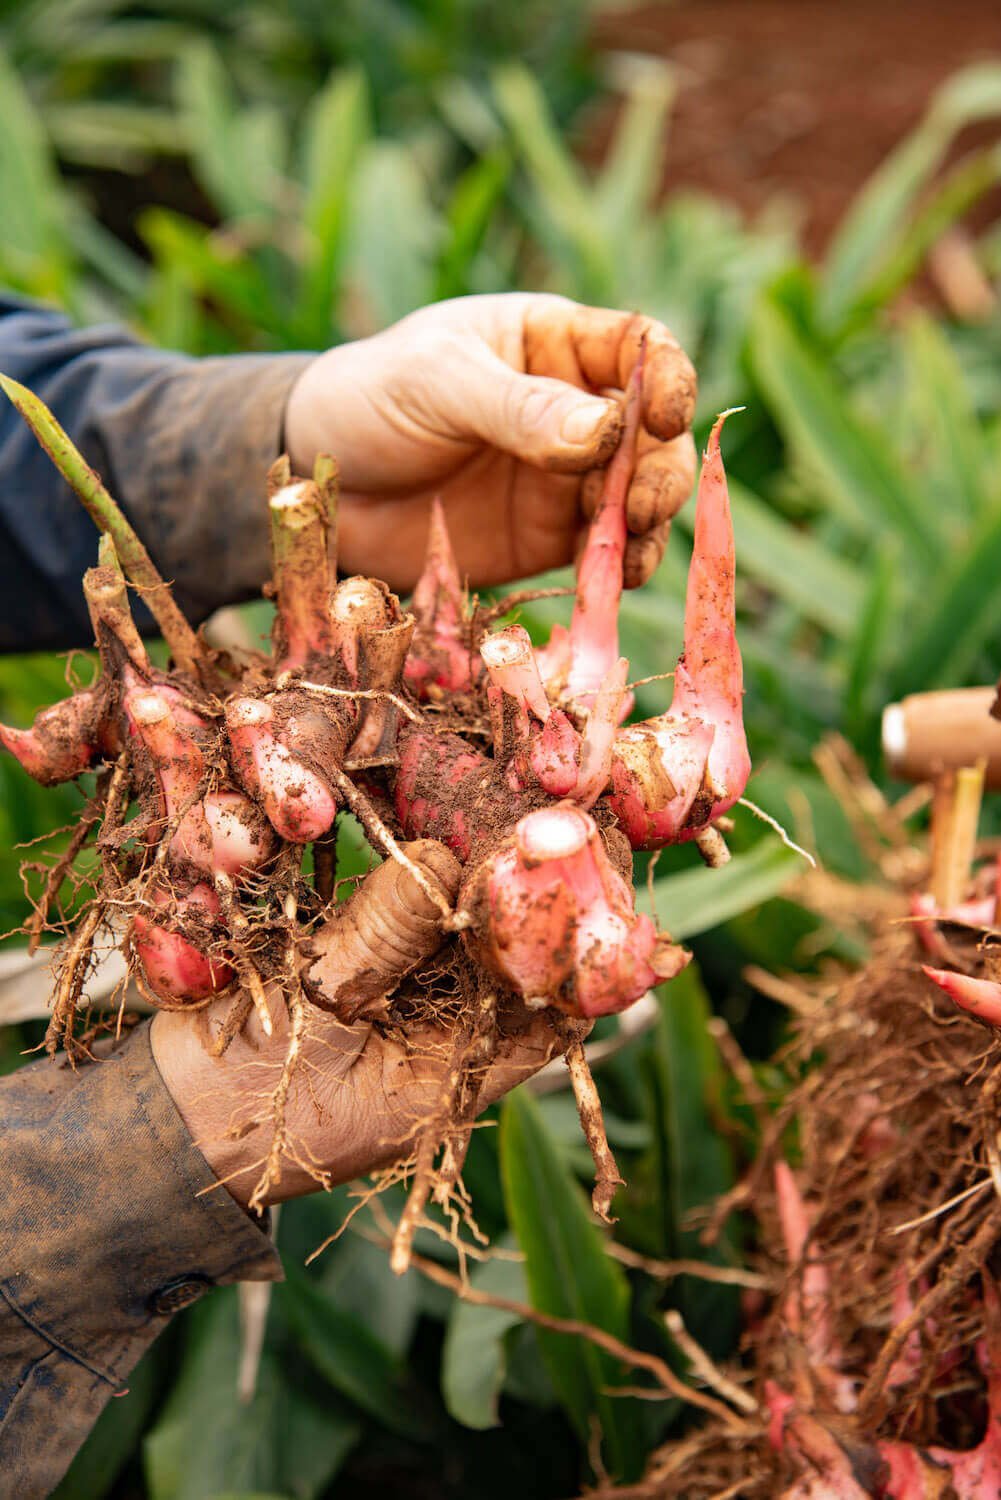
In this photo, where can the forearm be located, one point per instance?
(110, 1221)
(183, 444)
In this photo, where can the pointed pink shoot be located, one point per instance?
(709, 681)
(555, 755)
(594, 626)
(299, 805)
(63, 740)
(809, 1310)
(510, 660)
(440, 657)
(980, 997)
(439, 598)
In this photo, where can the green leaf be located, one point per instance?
(236, 153)
(962, 189)
(630, 179)
(30, 189)
(249, 1495)
(699, 899)
(953, 451)
(563, 199)
(959, 618)
(291, 1438)
(394, 237)
(336, 129)
(470, 211)
(866, 658)
(876, 218)
(857, 472)
(347, 1354)
(474, 1360)
(212, 266)
(569, 1275)
(695, 1161)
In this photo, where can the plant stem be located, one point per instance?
(955, 811)
(327, 478)
(139, 567)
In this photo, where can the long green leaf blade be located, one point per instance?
(877, 216)
(857, 472)
(961, 619)
(699, 899)
(568, 1275)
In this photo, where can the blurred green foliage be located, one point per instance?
(308, 173)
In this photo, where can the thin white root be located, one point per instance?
(706, 1368)
(759, 812)
(288, 680)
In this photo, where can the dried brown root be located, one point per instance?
(668, 1382)
(432, 1133)
(325, 866)
(233, 1023)
(55, 876)
(271, 1175)
(479, 1055)
(72, 976)
(381, 836)
(592, 1121)
(239, 929)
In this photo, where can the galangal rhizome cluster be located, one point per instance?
(499, 781)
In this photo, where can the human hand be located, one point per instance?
(499, 405)
(358, 1094)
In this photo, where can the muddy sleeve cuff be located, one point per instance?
(111, 1220)
(182, 444)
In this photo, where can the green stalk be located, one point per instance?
(139, 568)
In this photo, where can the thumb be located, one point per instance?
(545, 422)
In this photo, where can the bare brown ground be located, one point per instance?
(800, 98)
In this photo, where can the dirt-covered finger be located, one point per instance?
(663, 480)
(643, 555)
(607, 345)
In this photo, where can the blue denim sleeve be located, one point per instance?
(182, 444)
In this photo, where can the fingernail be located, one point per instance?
(583, 423)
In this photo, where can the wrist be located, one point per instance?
(202, 1088)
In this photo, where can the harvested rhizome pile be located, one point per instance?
(498, 781)
(872, 1367)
